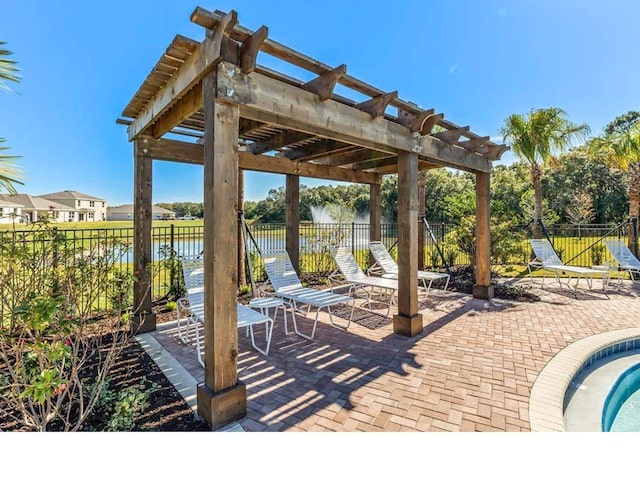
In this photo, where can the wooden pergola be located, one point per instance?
(233, 114)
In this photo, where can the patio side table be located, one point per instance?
(266, 303)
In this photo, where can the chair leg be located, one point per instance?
(269, 330)
(337, 325)
(200, 360)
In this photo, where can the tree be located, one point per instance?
(580, 209)
(9, 173)
(537, 137)
(581, 171)
(621, 148)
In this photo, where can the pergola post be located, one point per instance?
(292, 215)
(483, 288)
(421, 213)
(144, 320)
(221, 398)
(408, 321)
(375, 214)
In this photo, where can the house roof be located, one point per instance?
(156, 209)
(4, 203)
(70, 194)
(35, 203)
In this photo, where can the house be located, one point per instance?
(125, 212)
(86, 207)
(10, 212)
(34, 208)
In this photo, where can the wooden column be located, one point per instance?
(408, 321)
(292, 208)
(375, 213)
(421, 212)
(221, 398)
(242, 274)
(144, 319)
(483, 288)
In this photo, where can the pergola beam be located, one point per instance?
(202, 61)
(250, 48)
(378, 104)
(279, 140)
(193, 153)
(317, 150)
(473, 143)
(415, 122)
(324, 84)
(451, 136)
(268, 100)
(355, 157)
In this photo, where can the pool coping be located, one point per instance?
(546, 401)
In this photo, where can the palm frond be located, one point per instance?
(8, 68)
(9, 172)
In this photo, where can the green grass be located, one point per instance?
(108, 224)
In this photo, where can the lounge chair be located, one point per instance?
(359, 281)
(387, 266)
(626, 260)
(546, 258)
(193, 306)
(287, 285)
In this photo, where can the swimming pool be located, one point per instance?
(603, 393)
(621, 411)
(570, 392)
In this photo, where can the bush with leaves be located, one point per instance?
(506, 240)
(55, 354)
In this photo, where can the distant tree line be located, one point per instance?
(588, 183)
(580, 190)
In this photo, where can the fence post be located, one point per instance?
(172, 269)
(634, 231)
(54, 262)
(353, 238)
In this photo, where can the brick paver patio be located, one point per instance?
(471, 369)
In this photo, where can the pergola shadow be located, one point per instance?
(301, 377)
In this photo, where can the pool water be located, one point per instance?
(621, 411)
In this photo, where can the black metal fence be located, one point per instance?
(577, 245)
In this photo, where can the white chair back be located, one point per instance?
(280, 270)
(622, 254)
(193, 274)
(544, 252)
(383, 257)
(348, 265)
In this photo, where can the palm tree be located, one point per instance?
(537, 138)
(9, 173)
(8, 69)
(621, 149)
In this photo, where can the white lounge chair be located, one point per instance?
(625, 259)
(358, 280)
(287, 285)
(547, 259)
(193, 306)
(387, 266)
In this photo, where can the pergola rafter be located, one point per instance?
(247, 116)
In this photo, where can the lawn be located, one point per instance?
(109, 224)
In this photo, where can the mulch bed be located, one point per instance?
(167, 411)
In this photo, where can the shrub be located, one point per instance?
(506, 241)
(129, 405)
(55, 356)
(597, 254)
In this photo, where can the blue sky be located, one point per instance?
(475, 61)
